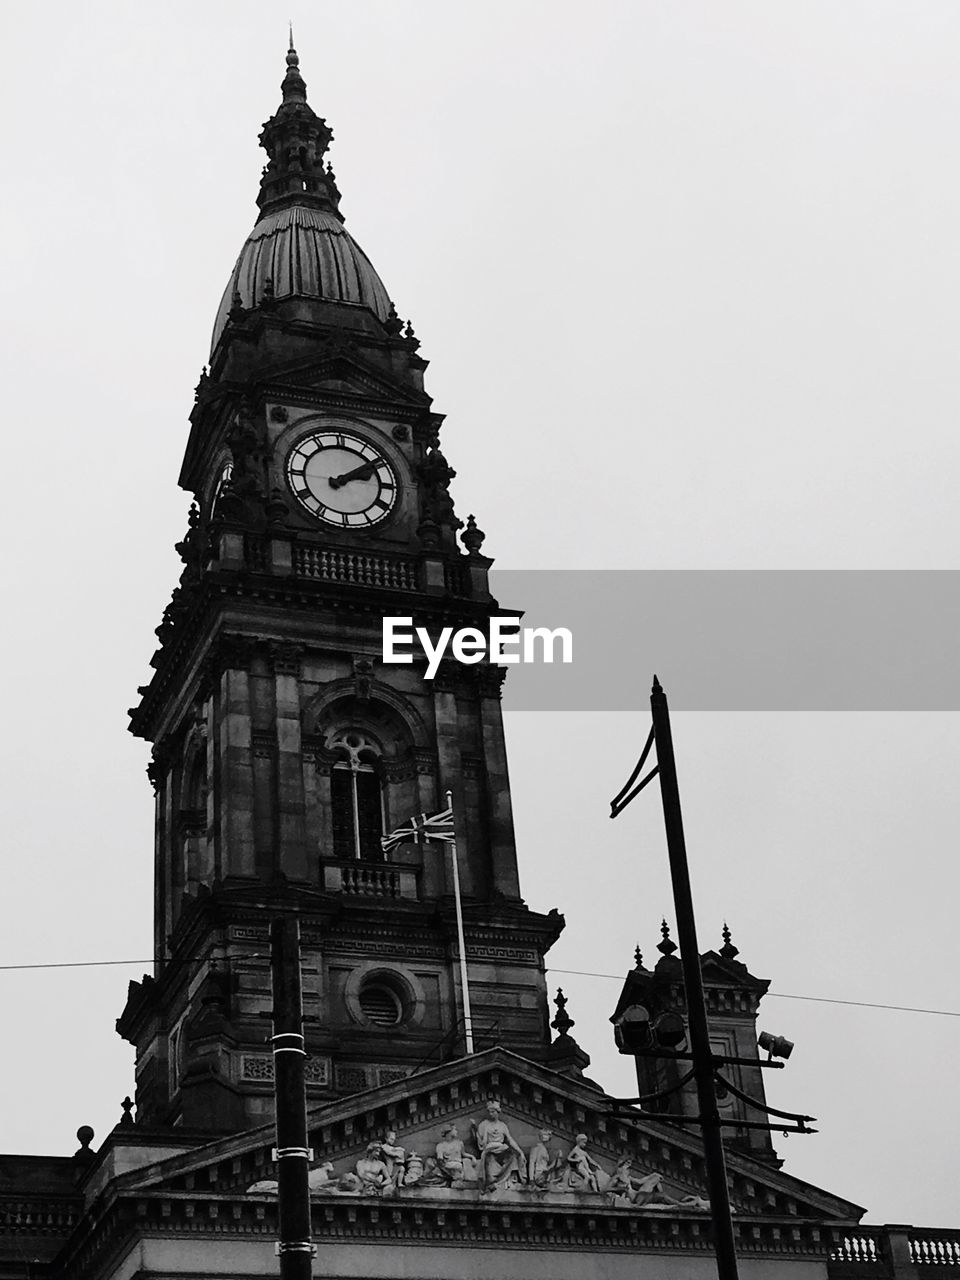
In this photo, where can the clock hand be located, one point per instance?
(363, 472)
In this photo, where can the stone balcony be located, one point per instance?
(371, 879)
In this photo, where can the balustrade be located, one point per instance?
(354, 568)
(370, 879)
(891, 1252)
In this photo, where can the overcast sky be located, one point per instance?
(688, 277)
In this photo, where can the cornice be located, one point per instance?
(205, 1218)
(194, 636)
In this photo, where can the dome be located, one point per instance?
(306, 252)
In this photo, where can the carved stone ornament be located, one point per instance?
(243, 499)
(449, 676)
(278, 413)
(285, 657)
(490, 679)
(362, 677)
(435, 474)
(496, 1160)
(232, 653)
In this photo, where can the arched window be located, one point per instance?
(356, 799)
(226, 475)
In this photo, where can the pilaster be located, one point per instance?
(236, 818)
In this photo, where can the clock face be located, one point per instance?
(342, 479)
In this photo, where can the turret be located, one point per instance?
(654, 1001)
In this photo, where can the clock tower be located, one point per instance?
(283, 746)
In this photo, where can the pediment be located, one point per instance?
(717, 969)
(340, 370)
(665, 1175)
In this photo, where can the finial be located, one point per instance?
(728, 950)
(292, 49)
(410, 336)
(84, 1137)
(562, 1022)
(127, 1106)
(472, 537)
(657, 686)
(393, 324)
(667, 946)
(637, 957)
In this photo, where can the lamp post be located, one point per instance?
(703, 1066)
(701, 1054)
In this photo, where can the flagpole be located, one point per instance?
(464, 984)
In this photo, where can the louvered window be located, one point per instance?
(381, 1004)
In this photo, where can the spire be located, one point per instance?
(296, 140)
(294, 86)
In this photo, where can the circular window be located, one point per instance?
(379, 997)
(381, 1004)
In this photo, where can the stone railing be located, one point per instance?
(356, 569)
(38, 1215)
(456, 580)
(370, 879)
(932, 1248)
(890, 1252)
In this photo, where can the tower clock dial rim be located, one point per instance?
(342, 478)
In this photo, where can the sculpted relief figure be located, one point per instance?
(319, 1179)
(320, 1176)
(386, 1167)
(450, 1165)
(639, 1191)
(648, 1192)
(450, 1156)
(373, 1172)
(413, 1171)
(501, 1159)
(545, 1165)
(394, 1157)
(583, 1172)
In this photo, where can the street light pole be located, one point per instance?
(295, 1247)
(703, 1065)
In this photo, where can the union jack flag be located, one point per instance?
(423, 826)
